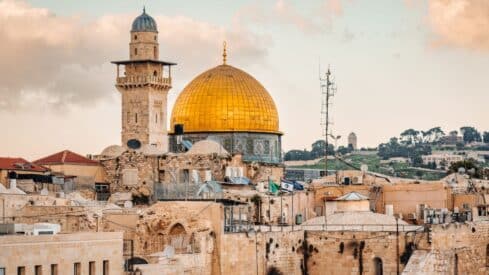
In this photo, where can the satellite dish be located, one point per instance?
(134, 144)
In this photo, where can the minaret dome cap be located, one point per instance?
(144, 23)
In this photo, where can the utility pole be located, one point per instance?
(328, 89)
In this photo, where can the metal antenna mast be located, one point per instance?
(328, 89)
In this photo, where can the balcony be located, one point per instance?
(143, 80)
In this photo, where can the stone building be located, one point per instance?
(80, 253)
(144, 82)
(231, 107)
(352, 141)
(67, 163)
(21, 167)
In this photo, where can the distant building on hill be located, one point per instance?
(352, 141)
(451, 139)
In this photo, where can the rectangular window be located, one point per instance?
(76, 269)
(38, 270)
(54, 269)
(105, 267)
(91, 268)
(21, 270)
(2, 270)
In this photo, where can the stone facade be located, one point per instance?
(63, 253)
(455, 249)
(258, 147)
(144, 87)
(136, 172)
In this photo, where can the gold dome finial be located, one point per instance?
(224, 53)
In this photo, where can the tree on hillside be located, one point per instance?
(410, 137)
(469, 166)
(485, 137)
(470, 134)
(297, 155)
(318, 149)
(433, 135)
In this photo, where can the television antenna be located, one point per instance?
(328, 89)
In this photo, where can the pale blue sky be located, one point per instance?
(389, 75)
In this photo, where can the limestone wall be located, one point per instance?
(258, 253)
(352, 252)
(456, 249)
(405, 197)
(63, 250)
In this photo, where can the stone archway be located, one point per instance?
(177, 229)
(179, 239)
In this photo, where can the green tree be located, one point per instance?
(318, 149)
(468, 165)
(470, 134)
(433, 135)
(410, 137)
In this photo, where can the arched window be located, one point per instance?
(136, 117)
(378, 266)
(136, 51)
(155, 73)
(135, 37)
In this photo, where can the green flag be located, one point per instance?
(273, 187)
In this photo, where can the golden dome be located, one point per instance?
(225, 99)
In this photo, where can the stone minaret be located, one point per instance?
(144, 82)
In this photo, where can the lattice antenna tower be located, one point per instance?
(328, 90)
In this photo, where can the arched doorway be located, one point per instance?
(178, 238)
(378, 266)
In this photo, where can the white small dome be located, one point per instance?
(206, 147)
(113, 151)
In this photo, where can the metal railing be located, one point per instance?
(143, 79)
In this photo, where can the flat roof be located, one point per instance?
(124, 62)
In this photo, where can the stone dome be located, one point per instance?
(144, 23)
(225, 99)
(113, 151)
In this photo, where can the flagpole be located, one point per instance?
(269, 210)
(281, 213)
(293, 220)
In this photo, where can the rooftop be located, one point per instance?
(65, 157)
(20, 164)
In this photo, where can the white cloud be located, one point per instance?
(57, 61)
(460, 23)
(314, 20)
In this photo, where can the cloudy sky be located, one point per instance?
(397, 63)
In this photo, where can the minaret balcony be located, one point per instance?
(143, 80)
